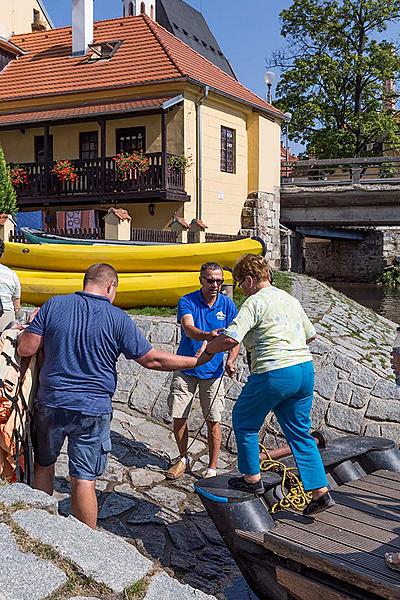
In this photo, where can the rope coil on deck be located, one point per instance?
(294, 495)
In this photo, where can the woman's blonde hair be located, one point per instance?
(250, 264)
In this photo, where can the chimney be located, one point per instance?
(82, 26)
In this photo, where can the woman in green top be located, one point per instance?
(275, 331)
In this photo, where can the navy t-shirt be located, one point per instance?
(206, 318)
(83, 335)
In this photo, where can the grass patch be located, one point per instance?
(153, 311)
(283, 281)
(137, 590)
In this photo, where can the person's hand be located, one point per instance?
(213, 334)
(230, 368)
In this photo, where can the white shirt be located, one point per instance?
(10, 287)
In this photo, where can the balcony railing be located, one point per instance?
(96, 176)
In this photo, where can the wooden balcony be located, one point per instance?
(98, 182)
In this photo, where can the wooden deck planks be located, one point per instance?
(349, 540)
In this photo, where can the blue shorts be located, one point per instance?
(88, 436)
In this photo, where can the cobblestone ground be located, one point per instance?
(165, 519)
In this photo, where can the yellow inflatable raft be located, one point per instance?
(127, 259)
(134, 289)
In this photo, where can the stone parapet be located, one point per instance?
(260, 217)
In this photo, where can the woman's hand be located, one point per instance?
(230, 368)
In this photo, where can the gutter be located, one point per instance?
(199, 153)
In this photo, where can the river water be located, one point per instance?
(383, 300)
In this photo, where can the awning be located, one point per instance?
(85, 112)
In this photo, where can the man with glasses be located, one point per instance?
(203, 315)
(83, 335)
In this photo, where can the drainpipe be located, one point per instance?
(199, 157)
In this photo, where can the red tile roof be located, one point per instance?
(148, 53)
(81, 111)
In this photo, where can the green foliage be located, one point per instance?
(390, 277)
(8, 197)
(180, 162)
(334, 72)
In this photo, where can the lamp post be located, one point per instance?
(288, 118)
(269, 78)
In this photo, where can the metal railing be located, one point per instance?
(341, 171)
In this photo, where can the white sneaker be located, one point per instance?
(210, 473)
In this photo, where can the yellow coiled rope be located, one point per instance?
(294, 495)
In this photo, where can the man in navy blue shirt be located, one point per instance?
(202, 315)
(82, 335)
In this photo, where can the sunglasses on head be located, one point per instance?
(211, 281)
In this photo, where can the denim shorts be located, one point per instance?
(88, 437)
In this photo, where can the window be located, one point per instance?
(143, 8)
(152, 12)
(228, 150)
(88, 145)
(36, 17)
(130, 139)
(39, 148)
(130, 9)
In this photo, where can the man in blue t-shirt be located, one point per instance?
(82, 335)
(203, 315)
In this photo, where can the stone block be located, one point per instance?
(168, 497)
(318, 412)
(24, 576)
(343, 393)
(362, 376)
(163, 333)
(391, 431)
(106, 558)
(146, 390)
(115, 504)
(144, 477)
(372, 429)
(234, 391)
(165, 587)
(386, 389)
(186, 536)
(359, 398)
(344, 418)
(19, 492)
(326, 381)
(383, 410)
(319, 347)
(145, 326)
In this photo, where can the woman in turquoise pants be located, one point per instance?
(275, 331)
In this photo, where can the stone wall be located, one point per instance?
(354, 388)
(260, 217)
(358, 261)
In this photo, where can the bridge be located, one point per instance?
(343, 192)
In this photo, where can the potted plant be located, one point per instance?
(130, 165)
(18, 175)
(180, 162)
(65, 171)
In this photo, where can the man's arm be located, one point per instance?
(159, 360)
(29, 343)
(195, 333)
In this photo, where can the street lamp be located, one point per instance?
(269, 78)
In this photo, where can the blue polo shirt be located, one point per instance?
(83, 335)
(206, 318)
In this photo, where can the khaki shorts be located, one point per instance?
(181, 394)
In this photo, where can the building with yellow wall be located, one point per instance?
(21, 16)
(129, 85)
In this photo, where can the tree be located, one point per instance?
(8, 197)
(338, 76)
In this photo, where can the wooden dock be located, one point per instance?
(340, 554)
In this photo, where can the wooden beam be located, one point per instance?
(103, 152)
(302, 588)
(164, 153)
(46, 148)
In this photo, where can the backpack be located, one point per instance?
(18, 382)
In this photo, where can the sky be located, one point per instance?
(246, 36)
